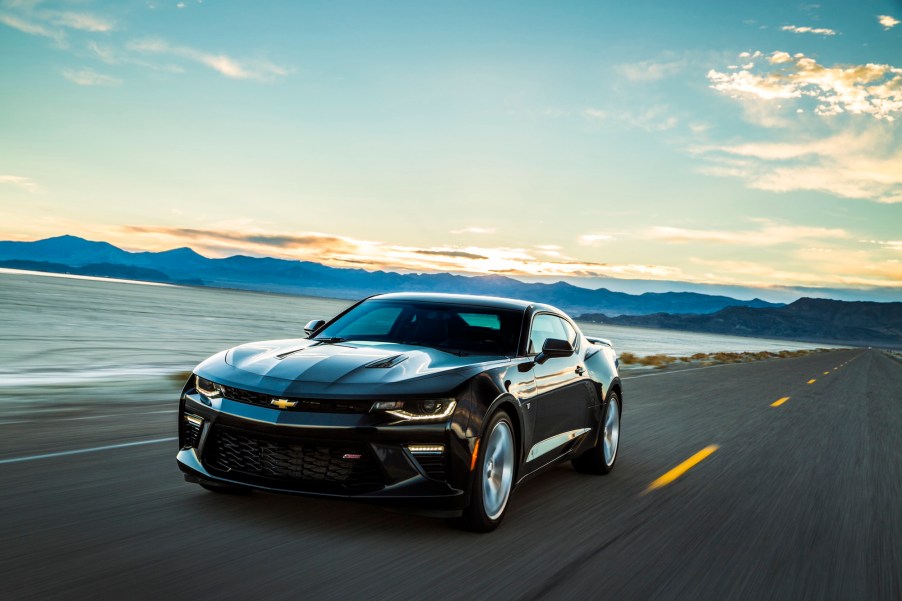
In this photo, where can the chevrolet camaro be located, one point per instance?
(441, 403)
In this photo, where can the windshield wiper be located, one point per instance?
(332, 340)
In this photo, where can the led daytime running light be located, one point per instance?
(212, 394)
(426, 448)
(421, 417)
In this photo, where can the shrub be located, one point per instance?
(628, 358)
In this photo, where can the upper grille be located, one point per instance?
(321, 405)
(310, 465)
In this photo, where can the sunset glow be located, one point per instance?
(697, 143)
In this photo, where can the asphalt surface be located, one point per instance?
(798, 501)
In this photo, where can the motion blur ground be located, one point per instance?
(799, 501)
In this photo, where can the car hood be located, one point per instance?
(303, 367)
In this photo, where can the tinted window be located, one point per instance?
(545, 326)
(376, 321)
(571, 332)
(482, 320)
(468, 328)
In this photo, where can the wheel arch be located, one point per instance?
(617, 387)
(507, 403)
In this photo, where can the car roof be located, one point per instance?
(494, 302)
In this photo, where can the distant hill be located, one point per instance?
(71, 254)
(812, 319)
(105, 270)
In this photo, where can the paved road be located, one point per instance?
(798, 501)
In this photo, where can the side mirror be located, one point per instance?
(313, 326)
(554, 347)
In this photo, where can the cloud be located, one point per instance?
(32, 28)
(806, 29)
(768, 234)
(112, 55)
(223, 64)
(87, 77)
(651, 119)
(30, 18)
(457, 254)
(343, 251)
(80, 21)
(24, 183)
(307, 241)
(835, 269)
(473, 230)
(868, 89)
(650, 70)
(895, 245)
(594, 239)
(105, 53)
(887, 21)
(777, 58)
(863, 165)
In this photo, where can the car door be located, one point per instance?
(562, 396)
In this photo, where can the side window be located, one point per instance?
(571, 333)
(545, 326)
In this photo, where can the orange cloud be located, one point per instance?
(343, 251)
(872, 89)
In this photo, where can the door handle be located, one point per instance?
(580, 370)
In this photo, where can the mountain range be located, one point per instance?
(819, 320)
(71, 254)
(858, 323)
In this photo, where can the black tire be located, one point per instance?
(475, 517)
(225, 489)
(594, 461)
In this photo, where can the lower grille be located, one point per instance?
(303, 465)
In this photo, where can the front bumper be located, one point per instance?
(350, 456)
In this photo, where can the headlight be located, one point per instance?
(209, 389)
(420, 411)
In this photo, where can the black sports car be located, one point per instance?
(440, 402)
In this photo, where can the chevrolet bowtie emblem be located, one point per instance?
(283, 403)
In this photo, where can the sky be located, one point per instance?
(672, 145)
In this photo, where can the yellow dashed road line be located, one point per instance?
(812, 381)
(682, 468)
(779, 402)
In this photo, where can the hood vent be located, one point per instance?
(387, 362)
(291, 352)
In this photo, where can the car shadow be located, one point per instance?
(559, 491)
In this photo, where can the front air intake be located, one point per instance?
(431, 458)
(191, 429)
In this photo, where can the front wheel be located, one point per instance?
(600, 458)
(493, 477)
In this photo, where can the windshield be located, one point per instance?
(468, 328)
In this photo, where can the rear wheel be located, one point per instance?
(600, 458)
(493, 477)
